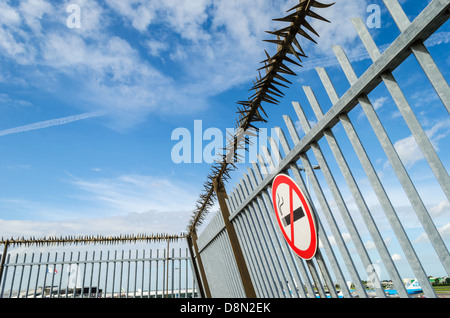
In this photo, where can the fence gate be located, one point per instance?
(317, 162)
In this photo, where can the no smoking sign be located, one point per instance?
(294, 216)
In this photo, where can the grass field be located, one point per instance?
(441, 289)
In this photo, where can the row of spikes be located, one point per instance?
(267, 90)
(91, 239)
(239, 141)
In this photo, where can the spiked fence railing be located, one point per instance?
(92, 239)
(84, 240)
(267, 91)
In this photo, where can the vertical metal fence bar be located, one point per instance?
(269, 232)
(225, 268)
(261, 242)
(276, 150)
(243, 238)
(322, 234)
(422, 55)
(295, 171)
(92, 273)
(179, 273)
(22, 270)
(283, 275)
(253, 263)
(156, 276)
(187, 277)
(13, 277)
(53, 276)
(298, 261)
(107, 277)
(150, 275)
(238, 289)
(114, 274)
(46, 269)
(135, 273)
(386, 143)
(5, 265)
(29, 276)
(172, 272)
(121, 274)
(127, 292)
(193, 284)
(67, 282)
(357, 196)
(255, 246)
(233, 239)
(249, 253)
(325, 242)
(288, 258)
(416, 129)
(164, 260)
(326, 274)
(84, 274)
(76, 276)
(333, 227)
(388, 208)
(348, 220)
(58, 295)
(100, 264)
(249, 227)
(143, 274)
(379, 190)
(292, 258)
(37, 275)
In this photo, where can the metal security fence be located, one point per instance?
(242, 252)
(99, 274)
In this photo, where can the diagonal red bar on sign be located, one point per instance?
(291, 202)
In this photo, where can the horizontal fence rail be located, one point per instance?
(99, 274)
(275, 271)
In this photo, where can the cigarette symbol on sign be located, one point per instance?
(286, 220)
(298, 214)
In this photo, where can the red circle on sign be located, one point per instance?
(310, 252)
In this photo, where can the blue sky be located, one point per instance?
(86, 115)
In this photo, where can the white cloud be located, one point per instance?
(444, 231)
(7, 100)
(205, 40)
(440, 209)
(396, 257)
(106, 206)
(409, 151)
(211, 46)
(345, 236)
(33, 12)
(8, 16)
(370, 245)
(134, 193)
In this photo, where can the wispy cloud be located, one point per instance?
(134, 193)
(409, 151)
(49, 123)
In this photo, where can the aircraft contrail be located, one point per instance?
(49, 123)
